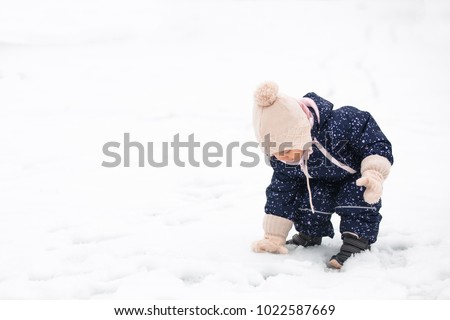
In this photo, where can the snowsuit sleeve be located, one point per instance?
(282, 192)
(366, 137)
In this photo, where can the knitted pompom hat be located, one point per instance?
(280, 117)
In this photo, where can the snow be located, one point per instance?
(77, 74)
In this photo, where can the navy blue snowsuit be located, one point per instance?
(349, 135)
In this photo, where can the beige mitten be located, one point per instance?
(374, 170)
(276, 230)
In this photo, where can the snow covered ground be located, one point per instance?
(77, 74)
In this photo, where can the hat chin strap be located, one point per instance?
(304, 167)
(304, 104)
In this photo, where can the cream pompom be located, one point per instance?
(266, 94)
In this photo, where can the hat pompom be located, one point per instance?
(266, 94)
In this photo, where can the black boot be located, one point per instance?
(303, 240)
(352, 244)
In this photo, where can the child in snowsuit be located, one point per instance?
(323, 161)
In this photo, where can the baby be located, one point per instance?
(323, 161)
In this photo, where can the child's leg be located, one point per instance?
(316, 224)
(357, 216)
(359, 222)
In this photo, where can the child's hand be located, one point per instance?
(374, 169)
(373, 181)
(276, 230)
(272, 244)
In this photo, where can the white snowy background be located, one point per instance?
(77, 74)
